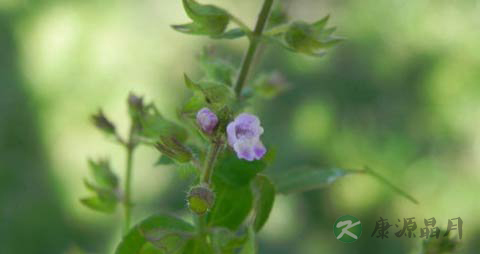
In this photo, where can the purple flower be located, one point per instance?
(207, 120)
(244, 137)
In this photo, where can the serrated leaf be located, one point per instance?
(232, 205)
(103, 174)
(264, 199)
(99, 205)
(169, 234)
(311, 39)
(305, 179)
(237, 172)
(207, 19)
(300, 37)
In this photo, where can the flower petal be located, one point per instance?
(244, 150)
(232, 137)
(259, 150)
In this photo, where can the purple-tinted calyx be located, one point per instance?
(207, 120)
(244, 137)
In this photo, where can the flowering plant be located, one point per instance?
(230, 198)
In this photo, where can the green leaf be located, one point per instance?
(105, 194)
(231, 34)
(216, 68)
(164, 160)
(154, 125)
(265, 197)
(215, 94)
(102, 173)
(98, 204)
(278, 16)
(105, 187)
(319, 25)
(167, 233)
(237, 172)
(197, 245)
(311, 39)
(174, 148)
(305, 179)
(232, 205)
(250, 246)
(300, 37)
(193, 104)
(207, 19)
(226, 241)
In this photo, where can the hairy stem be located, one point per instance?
(215, 149)
(130, 146)
(217, 145)
(252, 48)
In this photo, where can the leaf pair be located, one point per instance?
(105, 187)
(161, 234)
(208, 20)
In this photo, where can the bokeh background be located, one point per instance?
(401, 95)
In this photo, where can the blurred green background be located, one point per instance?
(401, 95)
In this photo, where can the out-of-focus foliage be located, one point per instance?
(401, 95)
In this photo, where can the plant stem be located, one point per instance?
(130, 146)
(389, 184)
(252, 48)
(217, 144)
(210, 160)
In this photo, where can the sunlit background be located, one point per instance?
(401, 95)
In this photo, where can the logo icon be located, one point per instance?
(347, 229)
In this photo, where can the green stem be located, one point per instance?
(210, 160)
(252, 48)
(130, 146)
(213, 152)
(217, 144)
(389, 184)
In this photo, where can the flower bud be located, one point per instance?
(207, 120)
(200, 199)
(135, 103)
(136, 108)
(102, 123)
